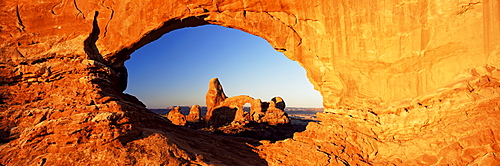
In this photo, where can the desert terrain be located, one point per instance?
(404, 82)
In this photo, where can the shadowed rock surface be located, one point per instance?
(238, 102)
(403, 82)
(222, 116)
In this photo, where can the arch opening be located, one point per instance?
(179, 75)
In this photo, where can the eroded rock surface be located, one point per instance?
(238, 102)
(215, 96)
(230, 110)
(222, 116)
(194, 114)
(403, 82)
(176, 117)
(275, 113)
(456, 119)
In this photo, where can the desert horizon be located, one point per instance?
(294, 112)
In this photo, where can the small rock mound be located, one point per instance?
(194, 114)
(275, 113)
(176, 117)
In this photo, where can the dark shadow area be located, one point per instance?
(90, 47)
(199, 145)
(4, 135)
(262, 131)
(2, 99)
(222, 116)
(229, 150)
(5, 124)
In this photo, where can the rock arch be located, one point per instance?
(238, 102)
(378, 66)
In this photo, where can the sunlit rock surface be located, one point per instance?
(403, 82)
(176, 117)
(214, 97)
(194, 114)
(275, 113)
(225, 110)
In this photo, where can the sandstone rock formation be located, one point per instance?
(215, 96)
(237, 102)
(275, 113)
(256, 112)
(457, 119)
(230, 110)
(265, 121)
(403, 82)
(176, 117)
(194, 114)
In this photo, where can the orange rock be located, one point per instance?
(176, 117)
(450, 126)
(215, 96)
(237, 102)
(194, 114)
(256, 112)
(274, 115)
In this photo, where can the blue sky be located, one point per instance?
(175, 69)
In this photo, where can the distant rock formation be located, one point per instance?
(275, 113)
(215, 95)
(280, 103)
(230, 110)
(256, 112)
(194, 114)
(176, 117)
(237, 102)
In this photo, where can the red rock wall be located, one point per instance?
(404, 82)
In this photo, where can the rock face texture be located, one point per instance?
(215, 96)
(451, 126)
(222, 116)
(194, 114)
(176, 117)
(275, 113)
(237, 102)
(403, 82)
(230, 110)
(279, 103)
